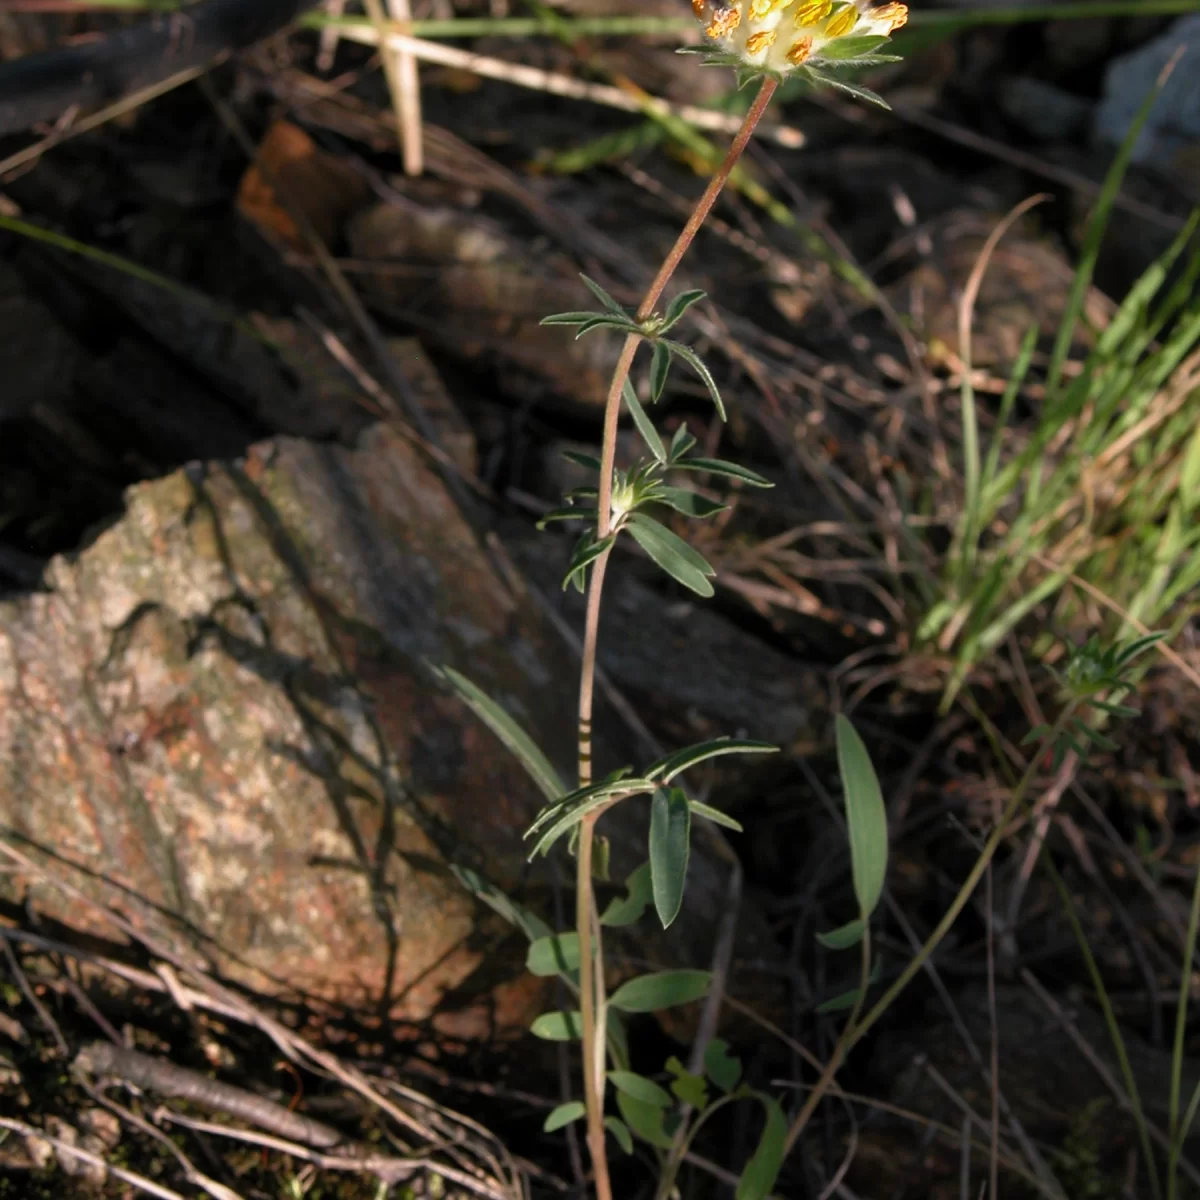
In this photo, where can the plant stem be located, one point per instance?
(852, 1032)
(1178, 1133)
(591, 963)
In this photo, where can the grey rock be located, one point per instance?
(1174, 122)
(1049, 113)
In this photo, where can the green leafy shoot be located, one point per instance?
(629, 908)
(715, 815)
(558, 1026)
(645, 1119)
(670, 846)
(671, 553)
(556, 955)
(644, 425)
(718, 466)
(508, 731)
(866, 817)
(690, 1089)
(530, 924)
(845, 936)
(667, 768)
(640, 1088)
(620, 1132)
(761, 1172)
(564, 1114)
(609, 303)
(720, 1066)
(692, 359)
(663, 989)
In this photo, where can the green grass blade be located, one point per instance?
(1094, 237)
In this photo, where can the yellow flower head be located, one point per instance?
(750, 29)
(812, 12)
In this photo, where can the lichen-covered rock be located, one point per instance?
(220, 717)
(222, 708)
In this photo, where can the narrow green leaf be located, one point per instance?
(715, 815)
(671, 553)
(668, 767)
(679, 306)
(602, 295)
(556, 955)
(852, 47)
(530, 924)
(663, 989)
(840, 1003)
(721, 1066)
(624, 324)
(761, 1172)
(646, 1120)
(640, 1088)
(558, 1026)
(865, 816)
(567, 514)
(1137, 647)
(628, 909)
(670, 845)
(644, 425)
(844, 937)
(692, 359)
(1077, 297)
(718, 466)
(660, 368)
(681, 442)
(586, 553)
(582, 460)
(564, 1114)
(570, 318)
(514, 738)
(620, 1132)
(683, 500)
(852, 89)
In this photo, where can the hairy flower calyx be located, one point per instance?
(778, 36)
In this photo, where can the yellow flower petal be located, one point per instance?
(800, 52)
(842, 22)
(812, 11)
(698, 7)
(894, 14)
(724, 22)
(758, 42)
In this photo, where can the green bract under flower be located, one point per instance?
(778, 36)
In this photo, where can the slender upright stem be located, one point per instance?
(590, 959)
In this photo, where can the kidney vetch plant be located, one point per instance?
(766, 41)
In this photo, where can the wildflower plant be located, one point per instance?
(765, 40)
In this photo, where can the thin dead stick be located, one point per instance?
(218, 1191)
(43, 1014)
(101, 117)
(556, 84)
(290, 1043)
(400, 67)
(1043, 813)
(387, 1168)
(994, 1023)
(1098, 1065)
(67, 1150)
(330, 36)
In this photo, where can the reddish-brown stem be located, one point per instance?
(590, 958)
